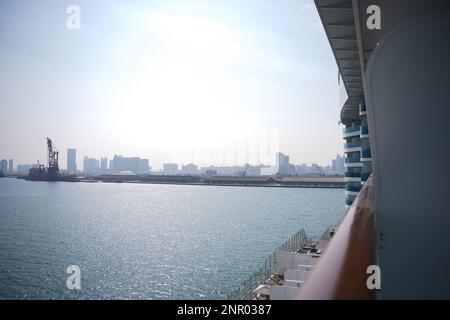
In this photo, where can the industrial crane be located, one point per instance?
(41, 173)
(53, 168)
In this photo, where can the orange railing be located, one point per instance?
(341, 272)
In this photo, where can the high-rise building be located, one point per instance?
(358, 160)
(268, 170)
(340, 168)
(189, 169)
(72, 161)
(104, 164)
(144, 166)
(121, 163)
(252, 170)
(90, 165)
(281, 163)
(132, 164)
(11, 166)
(4, 166)
(301, 170)
(170, 168)
(284, 168)
(337, 165)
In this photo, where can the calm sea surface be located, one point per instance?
(143, 241)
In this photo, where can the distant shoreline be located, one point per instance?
(230, 185)
(222, 181)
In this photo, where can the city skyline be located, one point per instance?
(238, 156)
(138, 165)
(205, 76)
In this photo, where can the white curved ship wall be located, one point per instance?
(408, 103)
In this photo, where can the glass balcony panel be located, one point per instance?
(352, 160)
(353, 188)
(352, 145)
(365, 176)
(352, 129)
(365, 129)
(365, 153)
(352, 174)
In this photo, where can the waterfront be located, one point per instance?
(147, 241)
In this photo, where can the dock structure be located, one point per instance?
(157, 179)
(236, 180)
(314, 182)
(249, 181)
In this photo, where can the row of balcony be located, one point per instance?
(349, 145)
(352, 129)
(355, 161)
(356, 130)
(365, 151)
(353, 188)
(352, 160)
(364, 129)
(363, 175)
(352, 174)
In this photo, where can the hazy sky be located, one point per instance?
(178, 81)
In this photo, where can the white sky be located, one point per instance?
(211, 82)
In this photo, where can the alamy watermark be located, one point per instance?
(373, 22)
(374, 280)
(73, 21)
(255, 147)
(74, 280)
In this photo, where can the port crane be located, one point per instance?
(53, 167)
(51, 173)
(40, 172)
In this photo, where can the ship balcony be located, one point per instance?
(366, 155)
(353, 162)
(352, 146)
(349, 200)
(352, 190)
(365, 176)
(364, 132)
(352, 176)
(352, 131)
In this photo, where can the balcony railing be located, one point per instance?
(352, 129)
(364, 129)
(341, 272)
(352, 145)
(365, 176)
(365, 153)
(352, 160)
(352, 174)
